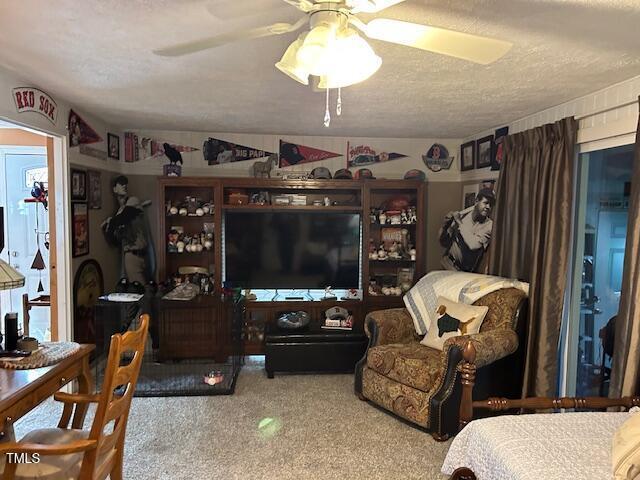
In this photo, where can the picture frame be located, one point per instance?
(94, 190)
(484, 151)
(113, 146)
(469, 194)
(78, 185)
(79, 229)
(498, 147)
(467, 156)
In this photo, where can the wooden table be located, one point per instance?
(23, 390)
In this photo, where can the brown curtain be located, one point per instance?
(531, 238)
(625, 367)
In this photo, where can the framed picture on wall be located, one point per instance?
(94, 190)
(78, 185)
(113, 146)
(467, 154)
(484, 151)
(80, 229)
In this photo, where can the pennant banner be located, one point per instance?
(136, 148)
(361, 155)
(294, 154)
(80, 133)
(152, 148)
(216, 152)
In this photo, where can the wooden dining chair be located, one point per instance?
(73, 453)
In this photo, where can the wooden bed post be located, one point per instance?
(467, 379)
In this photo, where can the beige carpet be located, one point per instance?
(289, 427)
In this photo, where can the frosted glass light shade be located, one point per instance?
(353, 61)
(316, 52)
(289, 64)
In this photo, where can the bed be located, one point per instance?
(549, 446)
(552, 446)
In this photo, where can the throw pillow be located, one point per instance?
(453, 319)
(626, 450)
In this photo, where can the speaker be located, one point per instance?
(10, 331)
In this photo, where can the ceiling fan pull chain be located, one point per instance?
(339, 103)
(327, 115)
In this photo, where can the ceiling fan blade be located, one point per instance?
(474, 48)
(370, 6)
(219, 40)
(304, 5)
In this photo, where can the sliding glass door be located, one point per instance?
(599, 236)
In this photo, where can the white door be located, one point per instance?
(25, 226)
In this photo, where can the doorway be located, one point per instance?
(604, 184)
(23, 166)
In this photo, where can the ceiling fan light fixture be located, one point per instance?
(289, 64)
(315, 53)
(354, 61)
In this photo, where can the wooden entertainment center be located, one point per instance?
(220, 195)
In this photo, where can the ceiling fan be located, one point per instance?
(333, 50)
(474, 48)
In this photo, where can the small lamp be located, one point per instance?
(10, 278)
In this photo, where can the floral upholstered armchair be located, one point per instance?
(422, 384)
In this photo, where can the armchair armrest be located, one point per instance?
(490, 346)
(46, 449)
(389, 326)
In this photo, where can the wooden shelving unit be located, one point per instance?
(348, 196)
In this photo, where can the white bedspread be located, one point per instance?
(537, 446)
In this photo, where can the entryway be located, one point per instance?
(24, 182)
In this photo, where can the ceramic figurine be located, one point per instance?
(172, 241)
(404, 217)
(386, 291)
(412, 253)
(328, 293)
(382, 253)
(382, 218)
(180, 246)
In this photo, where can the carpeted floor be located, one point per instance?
(289, 427)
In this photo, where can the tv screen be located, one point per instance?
(290, 250)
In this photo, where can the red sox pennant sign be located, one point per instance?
(294, 154)
(30, 99)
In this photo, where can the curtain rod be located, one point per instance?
(605, 110)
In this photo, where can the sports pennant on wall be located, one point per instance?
(136, 149)
(216, 152)
(80, 133)
(361, 155)
(294, 154)
(29, 99)
(152, 148)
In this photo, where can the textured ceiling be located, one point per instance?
(97, 54)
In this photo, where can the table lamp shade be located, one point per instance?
(10, 277)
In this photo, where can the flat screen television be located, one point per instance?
(292, 250)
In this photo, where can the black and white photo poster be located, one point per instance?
(465, 235)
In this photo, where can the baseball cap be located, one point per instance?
(343, 174)
(415, 174)
(364, 173)
(337, 313)
(320, 173)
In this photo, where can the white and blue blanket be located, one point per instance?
(461, 287)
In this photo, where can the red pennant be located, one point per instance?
(294, 154)
(80, 133)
